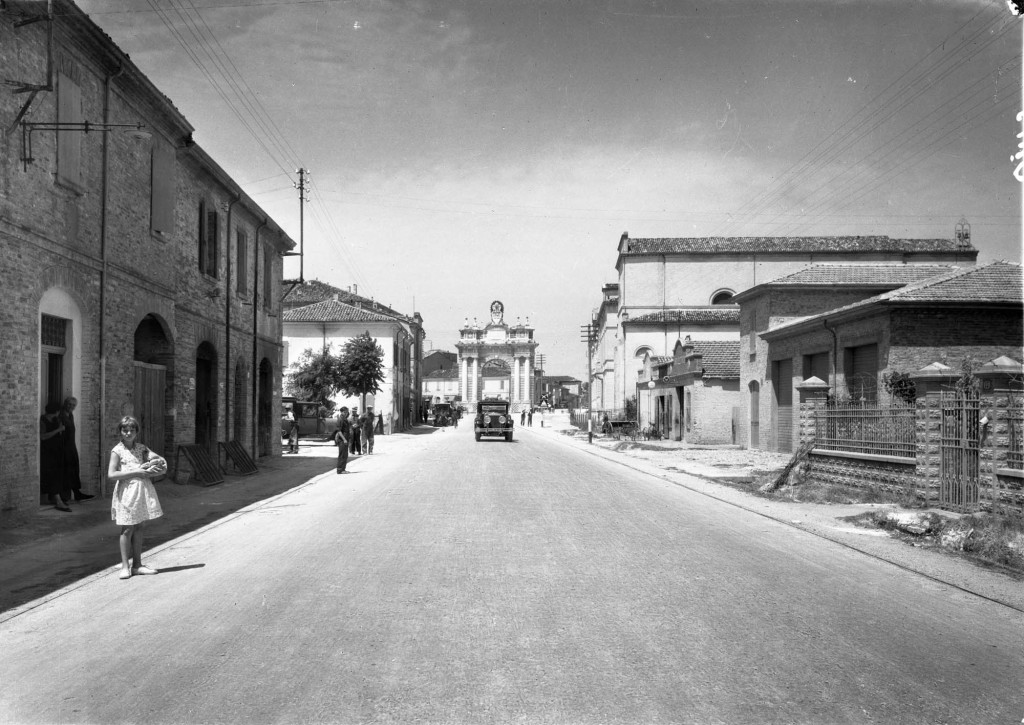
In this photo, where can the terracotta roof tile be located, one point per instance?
(839, 245)
(334, 311)
(720, 314)
(719, 358)
(894, 275)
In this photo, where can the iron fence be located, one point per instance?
(870, 428)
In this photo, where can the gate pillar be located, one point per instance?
(930, 380)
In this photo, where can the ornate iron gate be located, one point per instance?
(959, 470)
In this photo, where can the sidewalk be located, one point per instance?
(57, 549)
(692, 468)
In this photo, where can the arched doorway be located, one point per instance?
(264, 405)
(206, 397)
(755, 415)
(153, 362)
(238, 405)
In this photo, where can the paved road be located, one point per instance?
(462, 582)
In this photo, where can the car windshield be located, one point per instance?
(492, 409)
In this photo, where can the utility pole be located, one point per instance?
(303, 186)
(587, 335)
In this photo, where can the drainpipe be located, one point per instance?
(255, 314)
(102, 342)
(835, 352)
(227, 325)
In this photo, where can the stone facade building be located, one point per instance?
(497, 360)
(136, 275)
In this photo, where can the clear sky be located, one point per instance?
(462, 152)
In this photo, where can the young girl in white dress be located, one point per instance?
(135, 501)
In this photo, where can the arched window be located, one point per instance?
(722, 297)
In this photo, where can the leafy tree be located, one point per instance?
(362, 367)
(318, 377)
(900, 385)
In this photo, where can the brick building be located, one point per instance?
(810, 291)
(975, 313)
(136, 276)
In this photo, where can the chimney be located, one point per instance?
(355, 289)
(335, 296)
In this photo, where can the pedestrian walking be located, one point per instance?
(72, 475)
(293, 432)
(342, 438)
(134, 502)
(456, 412)
(529, 417)
(354, 448)
(52, 483)
(522, 417)
(368, 431)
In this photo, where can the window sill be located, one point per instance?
(1010, 472)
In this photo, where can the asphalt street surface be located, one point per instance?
(460, 582)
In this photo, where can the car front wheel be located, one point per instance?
(508, 437)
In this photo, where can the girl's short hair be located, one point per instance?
(52, 407)
(70, 399)
(128, 421)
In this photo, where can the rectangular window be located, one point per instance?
(241, 263)
(161, 204)
(860, 366)
(267, 269)
(816, 366)
(208, 223)
(69, 143)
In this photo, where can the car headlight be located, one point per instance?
(501, 419)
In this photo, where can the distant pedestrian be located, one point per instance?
(135, 502)
(51, 459)
(522, 417)
(456, 412)
(293, 432)
(379, 428)
(368, 431)
(72, 476)
(354, 447)
(342, 438)
(529, 417)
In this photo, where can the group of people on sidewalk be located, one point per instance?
(353, 437)
(59, 477)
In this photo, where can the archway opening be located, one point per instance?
(264, 410)
(206, 397)
(153, 362)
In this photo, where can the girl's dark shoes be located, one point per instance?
(62, 507)
(79, 496)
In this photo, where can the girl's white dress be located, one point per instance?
(135, 499)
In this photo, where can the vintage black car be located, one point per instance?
(442, 413)
(493, 418)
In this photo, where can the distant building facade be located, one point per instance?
(332, 322)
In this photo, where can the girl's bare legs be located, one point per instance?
(126, 542)
(137, 546)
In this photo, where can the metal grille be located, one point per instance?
(1015, 453)
(864, 428)
(54, 332)
(959, 471)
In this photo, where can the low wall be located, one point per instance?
(896, 475)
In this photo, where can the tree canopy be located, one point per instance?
(318, 377)
(362, 366)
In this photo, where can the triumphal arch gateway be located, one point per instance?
(496, 360)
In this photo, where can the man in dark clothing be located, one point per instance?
(355, 424)
(529, 416)
(368, 431)
(342, 438)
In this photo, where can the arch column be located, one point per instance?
(475, 368)
(464, 379)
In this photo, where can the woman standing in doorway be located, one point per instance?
(72, 477)
(51, 459)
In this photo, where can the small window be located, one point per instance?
(161, 203)
(208, 223)
(267, 269)
(861, 370)
(241, 263)
(69, 143)
(816, 366)
(722, 297)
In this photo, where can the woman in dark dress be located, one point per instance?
(72, 477)
(51, 458)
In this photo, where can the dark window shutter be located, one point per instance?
(162, 189)
(69, 143)
(862, 375)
